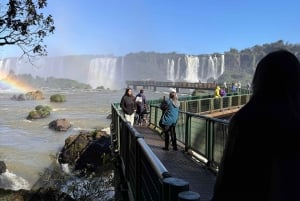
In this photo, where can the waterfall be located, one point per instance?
(192, 65)
(222, 64)
(112, 72)
(4, 68)
(123, 81)
(171, 70)
(102, 72)
(211, 67)
(177, 77)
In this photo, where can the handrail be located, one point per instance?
(137, 161)
(202, 136)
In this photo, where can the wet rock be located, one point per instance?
(60, 125)
(86, 151)
(2, 167)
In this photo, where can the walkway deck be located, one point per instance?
(181, 165)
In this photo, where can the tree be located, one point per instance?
(22, 24)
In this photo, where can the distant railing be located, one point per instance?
(202, 136)
(189, 85)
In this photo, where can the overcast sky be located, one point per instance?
(119, 27)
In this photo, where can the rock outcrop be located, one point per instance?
(39, 112)
(32, 95)
(45, 194)
(2, 167)
(60, 125)
(86, 151)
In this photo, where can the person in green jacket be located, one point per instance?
(169, 118)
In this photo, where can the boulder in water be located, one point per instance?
(86, 151)
(60, 125)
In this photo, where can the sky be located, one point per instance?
(120, 27)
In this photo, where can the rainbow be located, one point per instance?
(12, 84)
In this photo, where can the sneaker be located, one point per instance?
(166, 149)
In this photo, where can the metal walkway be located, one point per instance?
(180, 164)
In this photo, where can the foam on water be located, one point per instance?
(9, 180)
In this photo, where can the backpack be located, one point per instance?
(138, 99)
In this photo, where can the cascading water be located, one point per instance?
(178, 69)
(102, 72)
(192, 66)
(222, 64)
(112, 72)
(211, 67)
(171, 70)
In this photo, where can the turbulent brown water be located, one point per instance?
(29, 147)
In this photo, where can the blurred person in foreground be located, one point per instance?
(261, 160)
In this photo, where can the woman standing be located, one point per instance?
(169, 118)
(128, 105)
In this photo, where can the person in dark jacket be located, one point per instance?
(169, 118)
(261, 160)
(128, 105)
(141, 105)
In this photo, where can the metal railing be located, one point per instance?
(202, 136)
(143, 171)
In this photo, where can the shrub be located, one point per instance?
(57, 98)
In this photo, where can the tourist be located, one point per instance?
(261, 160)
(170, 108)
(233, 87)
(128, 105)
(222, 92)
(225, 86)
(141, 105)
(217, 92)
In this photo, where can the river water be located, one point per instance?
(28, 147)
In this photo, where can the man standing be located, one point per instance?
(140, 100)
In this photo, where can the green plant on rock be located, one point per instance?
(39, 112)
(57, 98)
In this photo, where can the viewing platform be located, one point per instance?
(181, 164)
(176, 85)
(150, 172)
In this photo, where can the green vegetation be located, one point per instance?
(240, 65)
(57, 98)
(51, 82)
(39, 112)
(23, 24)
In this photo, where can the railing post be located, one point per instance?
(187, 133)
(188, 196)
(172, 186)
(199, 106)
(211, 104)
(209, 145)
(221, 103)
